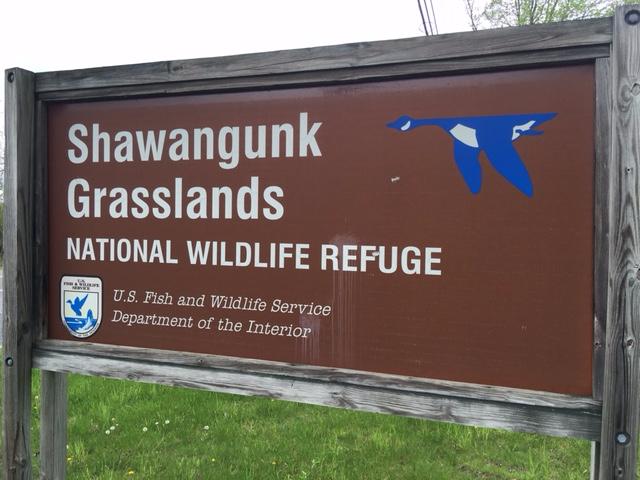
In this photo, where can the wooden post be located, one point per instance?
(601, 235)
(18, 262)
(53, 426)
(53, 385)
(621, 390)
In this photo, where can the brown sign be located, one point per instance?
(438, 228)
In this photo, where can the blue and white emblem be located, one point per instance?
(81, 304)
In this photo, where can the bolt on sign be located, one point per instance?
(442, 239)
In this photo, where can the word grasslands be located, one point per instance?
(176, 200)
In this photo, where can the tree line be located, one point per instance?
(511, 13)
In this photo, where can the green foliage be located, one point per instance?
(504, 13)
(158, 433)
(257, 438)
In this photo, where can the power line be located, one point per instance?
(426, 9)
(434, 17)
(428, 16)
(424, 24)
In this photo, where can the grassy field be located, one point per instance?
(122, 429)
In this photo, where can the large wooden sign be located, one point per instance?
(303, 226)
(434, 231)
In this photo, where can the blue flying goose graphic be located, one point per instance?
(77, 304)
(493, 134)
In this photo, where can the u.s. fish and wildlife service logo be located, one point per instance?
(81, 304)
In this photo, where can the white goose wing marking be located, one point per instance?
(465, 134)
(518, 129)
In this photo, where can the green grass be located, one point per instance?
(200, 435)
(158, 432)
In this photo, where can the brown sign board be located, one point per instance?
(443, 228)
(298, 226)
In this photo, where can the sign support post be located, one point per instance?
(18, 268)
(53, 425)
(601, 237)
(621, 397)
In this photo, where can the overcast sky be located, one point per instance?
(68, 34)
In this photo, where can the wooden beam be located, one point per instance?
(602, 129)
(18, 265)
(40, 225)
(517, 41)
(481, 405)
(424, 67)
(621, 392)
(320, 374)
(53, 385)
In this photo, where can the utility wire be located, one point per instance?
(424, 24)
(433, 12)
(428, 17)
(426, 9)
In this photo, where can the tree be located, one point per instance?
(509, 13)
(473, 14)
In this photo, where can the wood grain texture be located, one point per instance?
(53, 425)
(334, 76)
(511, 409)
(601, 220)
(18, 259)
(621, 395)
(40, 228)
(351, 56)
(602, 130)
(594, 471)
(322, 374)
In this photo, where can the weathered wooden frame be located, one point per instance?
(612, 44)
